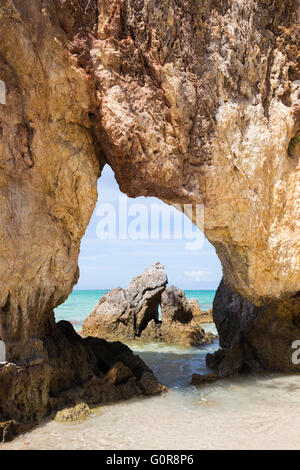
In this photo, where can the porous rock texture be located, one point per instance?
(192, 102)
(125, 313)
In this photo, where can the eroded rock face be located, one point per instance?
(125, 313)
(203, 316)
(175, 307)
(178, 325)
(255, 338)
(199, 104)
(128, 314)
(49, 170)
(76, 369)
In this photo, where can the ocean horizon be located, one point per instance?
(81, 302)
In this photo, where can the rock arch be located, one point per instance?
(191, 102)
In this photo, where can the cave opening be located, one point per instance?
(127, 235)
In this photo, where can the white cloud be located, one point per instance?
(198, 275)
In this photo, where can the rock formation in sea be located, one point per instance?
(203, 316)
(125, 313)
(131, 313)
(191, 102)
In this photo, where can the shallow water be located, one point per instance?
(253, 412)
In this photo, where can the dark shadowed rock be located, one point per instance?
(89, 370)
(178, 326)
(254, 338)
(175, 307)
(125, 313)
(205, 379)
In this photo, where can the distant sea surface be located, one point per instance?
(80, 303)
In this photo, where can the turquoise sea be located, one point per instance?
(80, 303)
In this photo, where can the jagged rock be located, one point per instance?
(74, 414)
(192, 102)
(90, 370)
(133, 313)
(175, 307)
(254, 338)
(178, 326)
(124, 313)
(11, 429)
(185, 334)
(202, 316)
(194, 305)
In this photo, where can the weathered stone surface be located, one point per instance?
(175, 307)
(202, 316)
(254, 338)
(185, 334)
(199, 104)
(125, 313)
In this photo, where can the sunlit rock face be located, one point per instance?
(199, 103)
(192, 102)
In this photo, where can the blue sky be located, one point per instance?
(108, 263)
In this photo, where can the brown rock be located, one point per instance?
(11, 429)
(133, 313)
(79, 412)
(254, 338)
(124, 313)
(118, 373)
(178, 325)
(90, 370)
(205, 379)
(175, 307)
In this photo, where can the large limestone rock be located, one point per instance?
(200, 104)
(192, 102)
(125, 313)
(255, 338)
